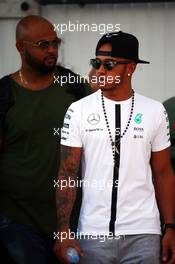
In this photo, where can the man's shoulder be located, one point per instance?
(149, 102)
(85, 103)
(6, 95)
(4, 80)
(170, 103)
(88, 100)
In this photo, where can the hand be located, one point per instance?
(168, 246)
(61, 247)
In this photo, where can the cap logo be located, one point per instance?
(109, 35)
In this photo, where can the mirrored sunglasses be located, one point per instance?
(107, 64)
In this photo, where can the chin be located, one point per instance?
(50, 65)
(48, 68)
(105, 88)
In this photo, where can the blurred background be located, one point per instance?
(152, 22)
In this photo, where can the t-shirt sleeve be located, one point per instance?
(70, 132)
(162, 134)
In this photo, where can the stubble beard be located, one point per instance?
(37, 65)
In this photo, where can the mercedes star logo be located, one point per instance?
(93, 119)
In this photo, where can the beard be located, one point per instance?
(39, 66)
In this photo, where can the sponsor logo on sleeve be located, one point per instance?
(70, 110)
(63, 138)
(67, 116)
(66, 125)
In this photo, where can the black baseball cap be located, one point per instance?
(124, 45)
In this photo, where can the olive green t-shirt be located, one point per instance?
(29, 161)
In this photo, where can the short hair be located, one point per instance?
(25, 23)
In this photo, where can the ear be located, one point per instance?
(20, 46)
(131, 68)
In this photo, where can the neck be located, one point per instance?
(32, 79)
(119, 93)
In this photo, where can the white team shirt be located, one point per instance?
(85, 127)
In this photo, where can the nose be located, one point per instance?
(52, 49)
(101, 70)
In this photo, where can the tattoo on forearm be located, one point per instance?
(65, 197)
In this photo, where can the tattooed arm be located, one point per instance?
(65, 197)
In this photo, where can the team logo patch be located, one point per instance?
(93, 119)
(138, 118)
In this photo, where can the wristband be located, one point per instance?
(169, 225)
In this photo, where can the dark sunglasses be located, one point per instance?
(44, 44)
(107, 64)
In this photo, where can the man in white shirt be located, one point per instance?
(122, 139)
